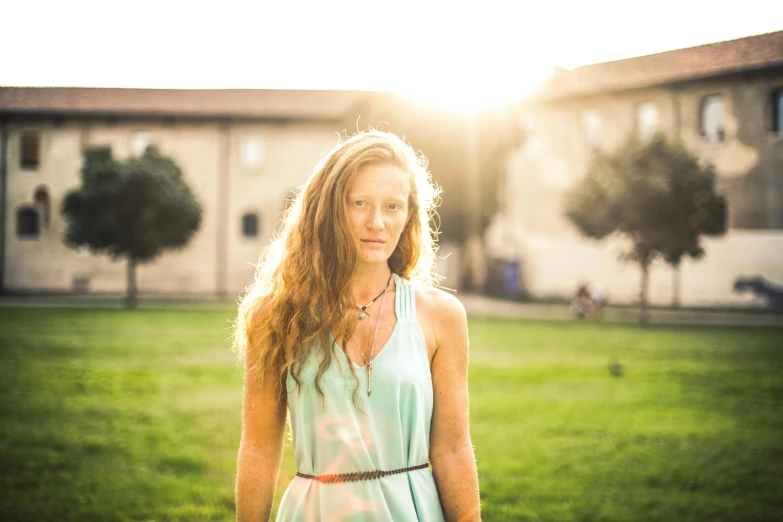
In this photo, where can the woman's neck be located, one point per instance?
(369, 280)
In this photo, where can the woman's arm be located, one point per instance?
(451, 452)
(261, 448)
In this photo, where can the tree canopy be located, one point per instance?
(134, 209)
(656, 194)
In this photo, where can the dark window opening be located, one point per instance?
(43, 202)
(28, 224)
(777, 111)
(711, 118)
(250, 225)
(30, 153)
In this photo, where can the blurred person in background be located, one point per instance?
(343, 328)
(582, 303)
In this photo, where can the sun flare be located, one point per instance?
(473, 97)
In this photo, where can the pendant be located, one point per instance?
(362, 314)
(369, 378)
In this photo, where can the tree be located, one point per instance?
(655, 194)
(133, 209)
(695, 209)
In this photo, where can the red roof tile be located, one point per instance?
(229, 103)
(717, 59)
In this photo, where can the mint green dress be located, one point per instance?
(332, 436)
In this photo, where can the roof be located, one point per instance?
(199, 103)
(705, 61)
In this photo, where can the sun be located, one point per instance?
(472, 97)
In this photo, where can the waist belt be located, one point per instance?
(360, 475)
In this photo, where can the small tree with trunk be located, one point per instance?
(654, 193)
(695, 208)
(133, 209)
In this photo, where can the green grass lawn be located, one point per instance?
(116, 415)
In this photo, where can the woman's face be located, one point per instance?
(377, 209)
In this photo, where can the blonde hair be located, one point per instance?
(302, 284)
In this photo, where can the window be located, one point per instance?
(712, 117)
(252, 152)
(139, 141)
(250, 225)
(591, 127)
(777, 111)
(646, 119)
(30, 153)
(28, 223)
(42, 201)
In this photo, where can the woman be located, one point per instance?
(342, 327)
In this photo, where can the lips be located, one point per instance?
(373, 241)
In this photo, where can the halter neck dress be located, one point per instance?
(331, 435)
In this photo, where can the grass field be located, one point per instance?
(115, 415)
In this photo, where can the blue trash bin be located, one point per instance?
(511, 278)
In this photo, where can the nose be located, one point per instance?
(375, 221)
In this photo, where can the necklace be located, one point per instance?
(363, 313)
(368, 362)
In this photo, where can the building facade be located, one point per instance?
(244, 153)
(723, 100)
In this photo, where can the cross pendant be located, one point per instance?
(369, 378)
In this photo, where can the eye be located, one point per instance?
(358, 203)
(395, 206)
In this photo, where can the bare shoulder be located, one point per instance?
(440, 305)
(442, 318)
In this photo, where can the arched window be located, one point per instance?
(28, 222)
(250, 225)
(43, 202)
(711, 117)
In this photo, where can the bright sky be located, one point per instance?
(453, 54)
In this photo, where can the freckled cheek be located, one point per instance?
(397, 233)
(356, 221)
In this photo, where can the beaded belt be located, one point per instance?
(361, 475)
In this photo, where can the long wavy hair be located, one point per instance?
(302, 283)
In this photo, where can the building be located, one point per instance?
(244, 152)
(724, 100)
